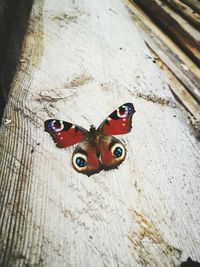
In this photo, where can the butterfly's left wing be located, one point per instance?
(112, 151)
(85, 158)
(64, 133)
(119, 121)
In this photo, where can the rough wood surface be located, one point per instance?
(80, 61)
(194, 4)
(165, 49)
(172, 28)
(194, 32)
(185, 11)
(164, 37)
(180, 91)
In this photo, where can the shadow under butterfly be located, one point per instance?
(98, 149)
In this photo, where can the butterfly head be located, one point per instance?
(92, 129)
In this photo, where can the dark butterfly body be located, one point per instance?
(98, 149)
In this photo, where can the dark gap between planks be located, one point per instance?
(14, 17)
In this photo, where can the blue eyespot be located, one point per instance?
(118, 152)
(81, 162)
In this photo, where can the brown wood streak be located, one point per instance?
(185, 11)
(172, 28)
(194, 4)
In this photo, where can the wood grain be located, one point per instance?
(172, 28)
(185, 71)
(194, 4)
(185, 11)
(188, 27)
(88, 58)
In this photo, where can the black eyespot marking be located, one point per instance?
(81, 162)
(56, 125)
(107, 122)
(112, 143)
(81, 151)
(67, 125)
(122, 110)
(118, 152)
(128, 107)
(77, 129)
(114, 115)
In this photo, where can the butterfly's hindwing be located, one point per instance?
(112, 151)
(85, 158)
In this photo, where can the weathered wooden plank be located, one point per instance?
(180, 92)
(194, 4)
(180, 19)
(162, 47)
(172, 28)
(185, 11)
(165, 38)
(184, 70)
(87, 59)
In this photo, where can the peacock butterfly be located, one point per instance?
(98, 149)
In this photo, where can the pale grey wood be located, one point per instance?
(82, 59)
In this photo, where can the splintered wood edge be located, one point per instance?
(186, 11)
(150, 24)
(192, 105)
(173, 28)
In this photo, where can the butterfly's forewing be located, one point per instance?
(85, 158)
(119, 121)
(64, 133)
(112, 152)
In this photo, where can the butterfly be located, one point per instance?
(97, 149)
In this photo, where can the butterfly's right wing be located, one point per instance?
(112, 151)
(64, 133)
(119, 121)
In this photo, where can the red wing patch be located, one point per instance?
(64, 133)
(119, 121)
(85, 159)
(112, 152)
